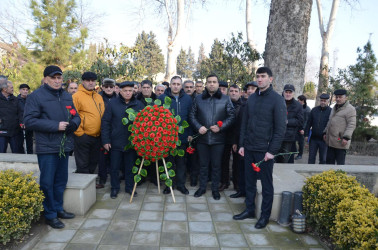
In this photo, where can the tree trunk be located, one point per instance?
(286, 42)
(251, 44)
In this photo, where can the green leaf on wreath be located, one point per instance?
(169, 164)
(171, 173)
(137, 162)
(178, 118)
(157, 102)
(181, 152)
(147, 163)
(130, 110)
(185, 124)
(131, 116)
(173, 112)
(130, 138)
(130, 128)
(135, 170)
(148, 100)
(161, 169)
(125, 121)
(127, 147)
(166, 106)
(168, 182)
(163, 177)
(143, 172)
(178, 143)
(167, 101)
(174, 152)
(181, 130)
(137, 178)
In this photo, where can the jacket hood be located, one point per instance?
(206, 94)
(84, 90)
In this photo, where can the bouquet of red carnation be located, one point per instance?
(71, 113)
(190, 149)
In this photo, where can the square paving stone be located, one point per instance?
(240, 200)
(199, 216)
(222, 216)
(116, 238)
(237, 208)
(175, 207)
(122, 225)
(249, 227)
(227, 227)
(102, 213)
(73, 246)
(112, 247)
(145, 238)
(276, 228)
(88, 236)
(197, 207)
(148, 226)
(192, 199)
(288, 240)
(175, 226)
(154, 198)
(150, 215)
(232, 240)
(201, 227)
(222, 207)
(258, 240)
(74, 223)
(105, 205)
(178, 199)
(203, 240)
(174, 239)
(96, 224)
(153, 206)
(220, 201)
(126, 215)
(175, 216)
(59, 236)
(309, 240)
(136, 247)
(174, 248)
(126, 205)
(49, 246)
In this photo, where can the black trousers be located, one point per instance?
(266, 177)
(206, 153)
(122, 160)
(87, 151)
(103, 165)
(179, 166)
(241, 175)
(335, 155)
(285, 148)
(225, 177)
(315, 145)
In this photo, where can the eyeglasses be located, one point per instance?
(189, 87)
(108, 87)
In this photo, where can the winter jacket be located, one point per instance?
(306, 114)
(233, 133)
(341, 124)
(91, 107)
(107, 98)
(181, 107)
(141, 98)
(44, 109)
(10, 116)
(206, 111)
(264, 122)
(112, 129)
(294, 119)
(317, 122)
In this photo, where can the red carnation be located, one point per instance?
(152, 135)
(156, 113)
(255, 168)
(145, 113)
(153, 118)
(161, 120)
(142, 143)
(149, 114)
(169, 127)
(142, 129)
(220, 123)
(72, 112)
(68, 107)
(156, 139)
(154, 129)
(175, 120)
(140, 136)
(146, 119)
(149, 123)
(145, 134)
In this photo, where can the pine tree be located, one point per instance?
(148, 57)
(57, 35)
(185, 63)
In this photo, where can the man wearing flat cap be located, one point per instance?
(27, 134)
(223, 86)
(91, 107)
(317, 122)
(340, 127)
(46, 113)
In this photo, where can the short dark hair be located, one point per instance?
(263, 70)
(146, 82)
(302, 98)
(188, 81)
(235, 86)
(212, 75)
(165, 84)
(176, 77)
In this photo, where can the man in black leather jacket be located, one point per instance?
(210, 108)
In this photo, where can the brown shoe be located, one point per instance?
(98, 186)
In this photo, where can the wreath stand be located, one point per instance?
(157, 177)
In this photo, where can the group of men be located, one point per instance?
(253, 124)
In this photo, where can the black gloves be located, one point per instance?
(71, 127)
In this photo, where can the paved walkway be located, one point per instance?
(153, 221)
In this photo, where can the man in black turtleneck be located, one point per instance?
(294, 122)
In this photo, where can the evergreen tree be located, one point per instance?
(201, 56)
(57, 35)
(148, 58)
(309, 90)
(185, 63)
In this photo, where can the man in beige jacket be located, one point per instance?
(340, 127)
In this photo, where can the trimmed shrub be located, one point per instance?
(20, 204)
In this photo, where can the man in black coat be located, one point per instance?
(294, 122)
(115, 136)
(50, 113)
(211, 115)
(146, 92)
(262, 132)
(317, 122)
(27, 135)
(10, 118)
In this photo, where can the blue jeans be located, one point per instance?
(53, 181)
(14, 143)
(122, 160)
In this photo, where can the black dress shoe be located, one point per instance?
(65, 215)
(222, 187)
(199, 193)
(55, 223)
(298, 157)
(167, 190)
(216, 195)
(237, 195)
(113, 193)
(244, 215)
(262, 223)
(183, 190)
(131, 191)
(193, 183)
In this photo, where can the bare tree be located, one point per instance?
(251, 43)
